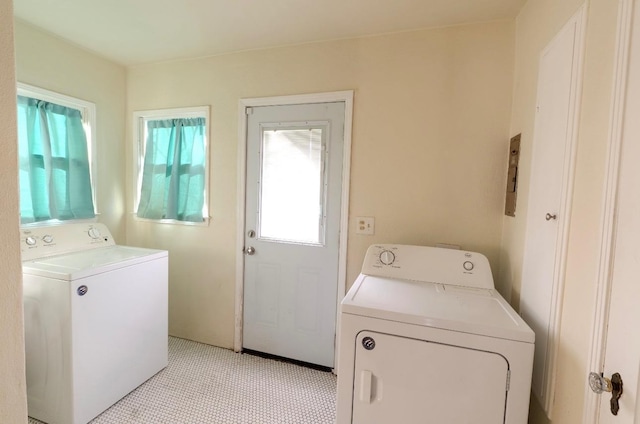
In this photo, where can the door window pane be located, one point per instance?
(292, 185)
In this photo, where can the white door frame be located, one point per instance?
(610, 209)
(336, 96)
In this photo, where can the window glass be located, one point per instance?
(54, 159)
(292, 185)
(172, 166)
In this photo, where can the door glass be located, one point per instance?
(292, 185)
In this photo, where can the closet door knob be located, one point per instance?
(549, 217)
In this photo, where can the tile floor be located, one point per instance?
(205, 384)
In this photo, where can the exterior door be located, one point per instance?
(622, 354)
(547, 215)
(292, 234)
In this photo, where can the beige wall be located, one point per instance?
(48, 62)
(536, 25)
(13, 395)
(430, 144)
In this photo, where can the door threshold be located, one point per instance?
(288, 360)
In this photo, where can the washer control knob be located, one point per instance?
(468, 265)
(94, 233)
(47, 238)
(387, 257)
(31, 241)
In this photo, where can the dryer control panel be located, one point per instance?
(42, 242)
(429, 264)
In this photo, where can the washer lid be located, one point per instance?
(73, 266)
(463, 309)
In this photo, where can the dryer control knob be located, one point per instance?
(47, 238)
(31, 240)
(468, 265)
(94, 233)
(387, 257)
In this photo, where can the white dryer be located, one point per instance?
(425, 338)
(96, 319)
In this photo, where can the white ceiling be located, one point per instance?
(141, 31)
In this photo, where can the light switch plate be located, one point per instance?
(365, 225)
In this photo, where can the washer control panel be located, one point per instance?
(41, 242)
(429, 264)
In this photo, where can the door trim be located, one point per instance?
(335, 96)
(610, 208)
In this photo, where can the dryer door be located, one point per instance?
(403, 380)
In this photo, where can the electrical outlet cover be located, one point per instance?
(365, 225)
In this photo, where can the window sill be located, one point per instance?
(204, 223)
(56, 222)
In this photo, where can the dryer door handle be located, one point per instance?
(366, 380)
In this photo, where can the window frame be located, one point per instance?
(139, 146)
(88, 111)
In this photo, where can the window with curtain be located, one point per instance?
(55, 171)
(172, 166)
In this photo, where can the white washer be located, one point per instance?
(425, 338)
(96, 323)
